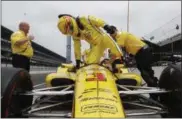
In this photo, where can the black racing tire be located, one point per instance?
(171, 79)
(13, 82)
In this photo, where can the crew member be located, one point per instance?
(88, 29)
(133, 45)
(22, 50)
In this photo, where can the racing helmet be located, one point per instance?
(67, 25)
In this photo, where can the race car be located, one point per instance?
(90, 91)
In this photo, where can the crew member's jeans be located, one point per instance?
(144, 61)
(20, 61)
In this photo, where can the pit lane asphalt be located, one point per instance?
(38, 78)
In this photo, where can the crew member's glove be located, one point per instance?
(109, 29)
(77, 64)
(115, 62)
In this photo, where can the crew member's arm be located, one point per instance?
(19, 39)
(21, 42)
(100, 23)
(77, 51)
(96, 21)
(83, 55)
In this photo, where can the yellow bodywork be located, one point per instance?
(63, 71)
(130, 76)
(122, 69)
(59, 75)
(125, 74)
(96, 93)
(65, 68)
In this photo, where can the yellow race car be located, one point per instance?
(91, 91)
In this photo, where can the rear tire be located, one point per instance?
(14, 82)
(171, 79)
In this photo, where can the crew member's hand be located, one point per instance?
(77, 64)
(115, 62)
(31, 37)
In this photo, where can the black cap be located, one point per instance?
(61, 15)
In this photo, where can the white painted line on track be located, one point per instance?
(38, 85)
(42, 72)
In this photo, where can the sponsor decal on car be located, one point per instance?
(96, 76)
(95, 89)
(98, 98)
(106, 108)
